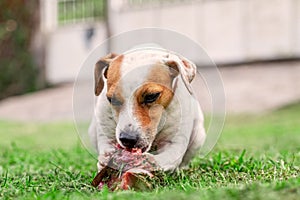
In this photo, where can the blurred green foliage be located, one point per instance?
(18, 22)
(70, 11)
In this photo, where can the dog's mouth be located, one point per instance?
(143, 150)
(134, 149)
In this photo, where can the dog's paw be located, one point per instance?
(165, 163)
(150, 163)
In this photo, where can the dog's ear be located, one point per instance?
(100, 72)
(184, 67)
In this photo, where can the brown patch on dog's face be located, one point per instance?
(99, 67)
(114, 73)
(160, 81)
(159, 94)
(151, 99)
(114, 91)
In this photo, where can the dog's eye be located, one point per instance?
(113, 101)
(150, 98)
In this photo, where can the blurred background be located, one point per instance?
(254, 43)
(43, 43)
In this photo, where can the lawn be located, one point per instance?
(257, 157)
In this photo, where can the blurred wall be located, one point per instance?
(68, 48)
(230, 31)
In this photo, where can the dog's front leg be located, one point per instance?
(170, 157)
(105, 147)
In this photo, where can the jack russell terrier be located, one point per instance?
(145, 101)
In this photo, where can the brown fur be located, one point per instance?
(113, 78)
(161, 82)
(158, 81)
(100, 65)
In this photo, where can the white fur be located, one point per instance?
(182, 132)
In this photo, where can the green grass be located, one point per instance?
(257, 157)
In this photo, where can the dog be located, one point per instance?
(144, 100)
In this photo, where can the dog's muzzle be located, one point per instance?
(132, 139)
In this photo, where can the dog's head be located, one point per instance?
(139, 87)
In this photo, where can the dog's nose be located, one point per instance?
(128, 140)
